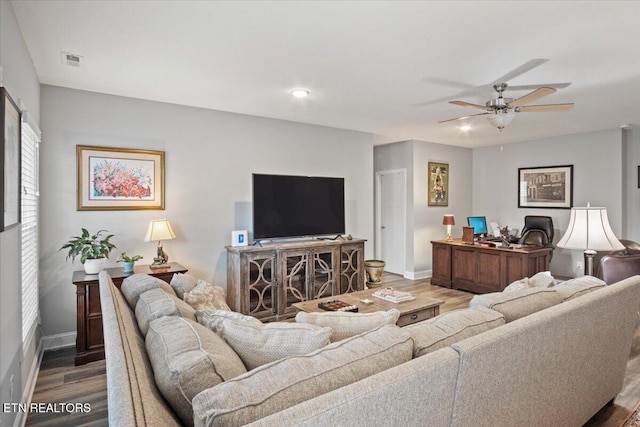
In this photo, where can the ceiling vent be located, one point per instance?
(71, 59)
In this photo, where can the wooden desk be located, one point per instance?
(483, 269)
(90, 340)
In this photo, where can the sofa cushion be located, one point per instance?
(137, 284)
(213, 319)
(448, 328)
(187, 358)
(260, 344)
(156, 303)
(517, 304)
(543, 279)
(574, 288)
(182, 283)
(287, 382)
(346, 324)
(205, 296)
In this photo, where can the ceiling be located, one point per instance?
(366, 63)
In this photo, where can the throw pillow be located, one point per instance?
(182, 283)
(213, 319)
(282, 384)
(574, 288)
(258, 345)
(346, 324)
(517, 285)
(543, 279)
(136, 284)
(187, 358)
(205, 296)
(156, 303)
(517, 304)
(451, 327)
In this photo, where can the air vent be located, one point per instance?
(71, 59)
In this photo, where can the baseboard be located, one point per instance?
(417, 275)
(54, 342)
(30, 386)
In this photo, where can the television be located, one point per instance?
(479, 224)
(297, 206)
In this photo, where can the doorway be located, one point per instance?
(390, 219)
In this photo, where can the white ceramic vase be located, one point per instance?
(93, 266)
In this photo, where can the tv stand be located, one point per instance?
(266, 281)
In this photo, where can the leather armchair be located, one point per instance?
(538, 230)
(614, 266)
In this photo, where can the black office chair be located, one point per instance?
(538, 230)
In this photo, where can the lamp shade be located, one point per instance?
(448, 220)
(501, 118)
(159, 229)
(589, 229)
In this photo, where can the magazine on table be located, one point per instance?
(393, 295)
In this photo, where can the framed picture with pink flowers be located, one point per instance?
(119, 178)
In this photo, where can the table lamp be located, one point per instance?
(159, 229)
(448, 220)
(589, 229)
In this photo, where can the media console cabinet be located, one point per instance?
(266, 281)
(483, 269)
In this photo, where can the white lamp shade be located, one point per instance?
(589, 229)
(501, 118)
(159, 229)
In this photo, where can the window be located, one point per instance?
(29, 205)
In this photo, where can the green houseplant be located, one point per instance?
(91, 248)
(128, 261)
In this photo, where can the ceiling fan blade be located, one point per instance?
(449, 83)
(543, 108)
(533, 87)
(463, 117)
(532, 96)
(527, 66)
(468, 104)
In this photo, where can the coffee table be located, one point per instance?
(412, 311)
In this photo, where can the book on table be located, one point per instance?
(393, 295)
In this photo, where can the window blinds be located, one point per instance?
(29, 205)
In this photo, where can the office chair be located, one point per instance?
(538, 230)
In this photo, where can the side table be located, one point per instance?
(90, 340)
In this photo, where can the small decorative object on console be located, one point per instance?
(337, 305)
(393, 295)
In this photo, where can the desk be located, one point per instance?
(90, 340)
(483, 269)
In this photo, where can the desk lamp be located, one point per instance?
(159, 229)
(448, 220)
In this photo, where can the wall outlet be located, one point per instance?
(579, 265)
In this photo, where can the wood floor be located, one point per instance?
(60, 381)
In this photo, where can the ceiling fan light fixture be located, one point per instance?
(501, 118)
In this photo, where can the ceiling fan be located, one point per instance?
(501, 111)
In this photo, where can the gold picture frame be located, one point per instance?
(438, 184)
(110, 178)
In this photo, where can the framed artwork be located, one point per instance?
(545, 187)
(119, 178)
(438, 184)
(10, 116)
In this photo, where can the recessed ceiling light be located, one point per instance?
(300, 92)
(465, 128)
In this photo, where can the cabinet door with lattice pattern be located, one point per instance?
(351, 268)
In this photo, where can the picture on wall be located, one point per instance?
(9, 161)
(119, 178)
(545, 187)
(438, 184)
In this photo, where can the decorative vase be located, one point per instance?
(127, 267)
(93, 266)
(373, 269)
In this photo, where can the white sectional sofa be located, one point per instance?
(556, 366)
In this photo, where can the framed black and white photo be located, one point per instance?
(545, 187)
(9, 161)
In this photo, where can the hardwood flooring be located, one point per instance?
(60, 381)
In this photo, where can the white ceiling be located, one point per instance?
(365, 62)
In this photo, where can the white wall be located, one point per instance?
(20, 80)
(210, 156)
(599, 173)
(632, 195)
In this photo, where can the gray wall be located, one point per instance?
(20, 80)
(210, 156)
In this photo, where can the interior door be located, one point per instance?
(391, 221)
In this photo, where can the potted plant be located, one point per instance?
(128, 261)
(91, 248)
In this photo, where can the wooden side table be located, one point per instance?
(90, 340)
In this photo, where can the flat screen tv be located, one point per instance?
(479, 224)
(296, 206)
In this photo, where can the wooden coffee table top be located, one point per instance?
(421, 302)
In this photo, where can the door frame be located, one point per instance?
(378, 225)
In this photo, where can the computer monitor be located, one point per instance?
(479, 224)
